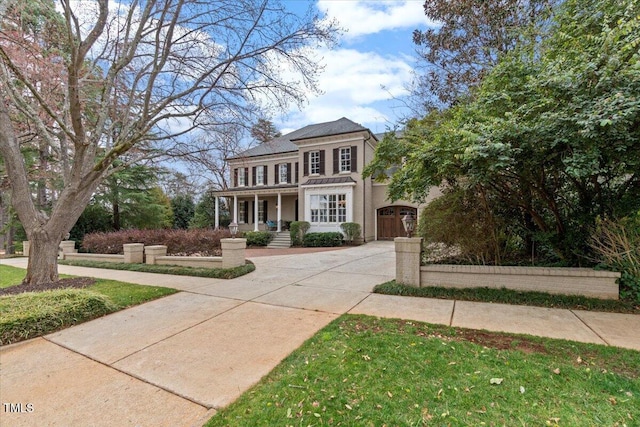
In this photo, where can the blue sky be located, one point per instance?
(375, 51)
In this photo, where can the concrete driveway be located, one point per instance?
(174, 361)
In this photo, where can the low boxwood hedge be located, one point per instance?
(328, 239)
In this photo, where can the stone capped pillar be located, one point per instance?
(152, 252)
(408, 253)
(133, 253)
(233, 252)
(67, 247)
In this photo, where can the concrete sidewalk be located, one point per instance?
(175, 360)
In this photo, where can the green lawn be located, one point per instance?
(508, 296)
(29, 315)
(363, 371)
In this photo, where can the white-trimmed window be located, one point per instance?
(283, 173)
(260, 175)
(242, 213)
(241, 177)
(345, 159)
(262, 218)
(314, 162)
(328, 208)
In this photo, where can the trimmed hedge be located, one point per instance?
(33, 314)
(297, 231)
(203, 241)
(257, 238)
(351, 230)
(324, 240)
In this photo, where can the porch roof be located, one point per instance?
(261, 190)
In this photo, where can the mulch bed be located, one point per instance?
(74, 282)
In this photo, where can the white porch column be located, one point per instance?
(217, 215)
(255, 213)
(279, 209)
(235, 209)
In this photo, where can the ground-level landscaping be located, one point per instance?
(364, 371)
(507, 296)
(47, 309)
(213, 273)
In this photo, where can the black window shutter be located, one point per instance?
(253, 174)
(288, 173)
(246, 176)
(235, 178)
(264, 211)
(305, 164)
(295, 178)
(253, 211)
(276, 174)
(321, 162)
(246, 212)
(336, 160)
(354, 159)
(266, 176)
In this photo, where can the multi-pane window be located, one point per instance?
(345, 159)
(283, 173)
(242, 213)
(241, 177)
(262, 218)
(328, 208)
(314, 162)
(260, 175)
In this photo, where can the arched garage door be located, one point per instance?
(390, 221)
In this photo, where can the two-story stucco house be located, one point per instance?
(314, 174)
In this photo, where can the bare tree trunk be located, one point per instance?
(43, 259)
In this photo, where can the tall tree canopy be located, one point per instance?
(133, 77)
(471, 37)
(552, 134)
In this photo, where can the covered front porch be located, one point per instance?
(260, 209)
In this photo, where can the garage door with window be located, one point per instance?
(390, 221)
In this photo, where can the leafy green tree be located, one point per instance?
(553, 132)
(154, 211)
(204, 216)
(183, 210)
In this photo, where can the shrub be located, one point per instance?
(617, 246)
(351, 230)
(205, 242)
(32, 314)
(329, 239)
(297, 231)
(257, 238)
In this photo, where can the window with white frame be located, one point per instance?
(283, 173)
(328, 208)
(241, 177)
(262, 218)
(314, 162)
(260, 175)
(242, 213)
(345, 159)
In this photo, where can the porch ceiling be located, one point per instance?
(250, 191)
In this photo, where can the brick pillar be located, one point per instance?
(233, 252)
(67, 247)
(408, 250)
(133, 253)
(152, 252)
(26, 246)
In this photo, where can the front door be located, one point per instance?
(390, 221)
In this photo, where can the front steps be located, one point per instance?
(280, 240)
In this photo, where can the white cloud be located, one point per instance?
(354, 85)
(363, 17)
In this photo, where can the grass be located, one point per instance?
(214, 273)
(364, 371)
(507, 296)
(34, 314)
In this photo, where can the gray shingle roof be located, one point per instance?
(285, 144)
